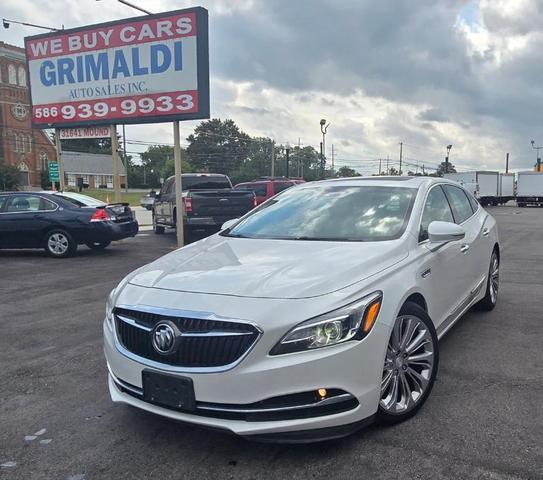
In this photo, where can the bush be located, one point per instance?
(9, 177)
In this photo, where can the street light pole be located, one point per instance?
(324, 129)
(130, 4)
(447, 158)
(6, 23)
(538, 161)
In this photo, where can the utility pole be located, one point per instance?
(507, 162)
(332, 159)
(423, 172)
(401, 151)
(287, 151)
(273, 158)
(379, 166)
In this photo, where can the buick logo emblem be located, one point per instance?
(165, 337)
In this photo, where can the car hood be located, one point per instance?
(262, 268)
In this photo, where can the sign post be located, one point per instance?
(59, 159)
(179, 207)
(115, 159)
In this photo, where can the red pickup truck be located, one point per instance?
(267, 188)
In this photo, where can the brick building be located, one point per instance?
(28, 149)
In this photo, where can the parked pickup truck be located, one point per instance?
(208, 200)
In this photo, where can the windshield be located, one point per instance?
(331, 212)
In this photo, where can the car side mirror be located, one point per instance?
(229, 223)
(441, 233)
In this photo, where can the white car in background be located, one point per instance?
(82, 200)
(315, 314)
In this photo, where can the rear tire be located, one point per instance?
(98, 245)
(410, 368)
(490, 299)
(59, 244)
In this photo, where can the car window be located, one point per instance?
(23, 203)
(436, 209)
(280, 186)
(473, 201)
(332, 213)
(459, 202)
(260, 189)
(46, 204)
(3, 199)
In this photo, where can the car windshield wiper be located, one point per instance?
(327, 239)
(227, 233)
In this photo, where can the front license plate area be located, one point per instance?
(168, 390)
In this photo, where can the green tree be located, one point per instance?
(9, 177)
(441, 169)
(347, 172)
(156, 162)
(218, 146)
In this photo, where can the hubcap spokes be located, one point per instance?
(58, 243)
(408, 365)
(494, 279)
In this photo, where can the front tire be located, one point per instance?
(59, 244)
(490, 299)
(410, 368)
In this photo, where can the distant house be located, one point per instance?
(95, 169)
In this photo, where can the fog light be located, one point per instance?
(322, 393)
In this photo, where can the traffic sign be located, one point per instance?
(53, 172)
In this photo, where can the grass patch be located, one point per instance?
(132, 198)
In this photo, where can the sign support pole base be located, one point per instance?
(179, 208)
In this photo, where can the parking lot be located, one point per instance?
(483, 420)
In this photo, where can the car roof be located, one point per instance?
(387, 181)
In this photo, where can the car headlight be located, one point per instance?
(352, 322)
(109, 309)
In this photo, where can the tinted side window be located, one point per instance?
(436, 209)
(474, 203)
(280, 186)
(2, 201)
(46, 204)
(459, 202)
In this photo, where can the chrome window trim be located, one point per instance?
(187, 314)
(57, 206)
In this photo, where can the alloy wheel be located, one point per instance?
(409, 363)
(58, 243)
(494, 278)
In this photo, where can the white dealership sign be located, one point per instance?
(146, 69)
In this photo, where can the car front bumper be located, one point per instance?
(355, 368)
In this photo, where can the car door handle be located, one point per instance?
(464, 248)
(486, 232)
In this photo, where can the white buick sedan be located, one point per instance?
(315, 314)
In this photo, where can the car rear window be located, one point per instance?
(206, 182)
(280, 186)
(260, 189)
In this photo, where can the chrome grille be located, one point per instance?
(204, 342)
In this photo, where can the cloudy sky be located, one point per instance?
(427, 73)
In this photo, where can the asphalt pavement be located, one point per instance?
(484, 419)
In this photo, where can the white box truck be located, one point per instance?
(529, 188)
(483, 185)
(507, 187)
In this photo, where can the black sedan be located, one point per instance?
(59, 224)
